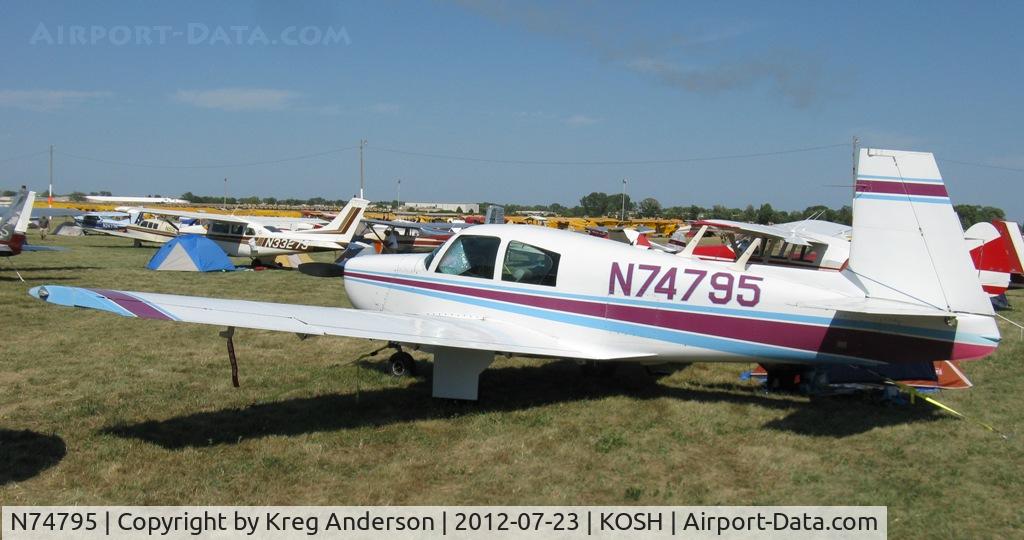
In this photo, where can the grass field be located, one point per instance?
(99, 409)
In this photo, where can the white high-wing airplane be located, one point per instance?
(246, 236)
(545, 292)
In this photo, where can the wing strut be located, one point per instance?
(229, 335)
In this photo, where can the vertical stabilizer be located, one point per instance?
(907, 244)
(16, 217)
(347, 221)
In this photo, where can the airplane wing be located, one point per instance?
(768, 231)
(819, 227)
(193, 215)
(479, 334)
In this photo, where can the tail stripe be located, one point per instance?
(905, 188)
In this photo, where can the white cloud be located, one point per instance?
(238, 99)
(581, 120)
(47, 100)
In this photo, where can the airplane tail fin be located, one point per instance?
(901, 209)
(347, 221)
(995, 249)
(15, 219)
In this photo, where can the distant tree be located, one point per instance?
(615, 205)
(557, 209)
(9, 193)
(77, 196)
(250, 200)
(650, 208)
(106, 193)
(971, 214)
(458, 209)
(269, 200)
(766, 214)
(749, 214)
(594, 204)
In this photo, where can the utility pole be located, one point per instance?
(49, 197)
(623, 218)
(856, 146)
(398, 201)
(225, 193)
(362, 143)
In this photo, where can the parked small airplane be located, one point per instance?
(141, 229)
(13, 224)
(413, 237)
(245, 236)
(544, 292)
(96, 221)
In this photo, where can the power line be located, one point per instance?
(632, 162)
(23, 156)
(220, 166)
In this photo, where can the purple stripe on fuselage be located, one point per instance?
(901, 188)
(135, 306)
(825, 339)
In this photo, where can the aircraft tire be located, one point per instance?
(401, 364)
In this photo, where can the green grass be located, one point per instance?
(143, 412)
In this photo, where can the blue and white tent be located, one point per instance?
(191, 253)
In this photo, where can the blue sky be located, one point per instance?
(512, 81)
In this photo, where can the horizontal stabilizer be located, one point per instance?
(877, 306)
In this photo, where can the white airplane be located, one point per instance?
(247, 237)
(544, 292)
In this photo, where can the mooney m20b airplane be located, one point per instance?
(248, 237)
(544, 292)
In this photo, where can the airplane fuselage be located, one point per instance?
(666, 308)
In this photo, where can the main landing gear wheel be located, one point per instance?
(401, 364)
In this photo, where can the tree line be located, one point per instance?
(598, 204)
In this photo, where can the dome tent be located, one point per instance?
(191, 253)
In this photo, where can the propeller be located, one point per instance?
(322, 269)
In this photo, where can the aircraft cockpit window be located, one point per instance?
(528, 264)
(472, 256)
(249, 231)
(430, 258)
(220, 227)
(237, 229)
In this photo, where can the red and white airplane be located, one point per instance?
(13, 224)
(544, 292)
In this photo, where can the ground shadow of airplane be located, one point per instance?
(24, 454)
(502, 389)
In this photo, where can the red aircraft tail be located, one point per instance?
(996, 249)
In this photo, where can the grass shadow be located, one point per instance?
(29, 278)
(58, 268)
(501, 390)
(24, 454)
